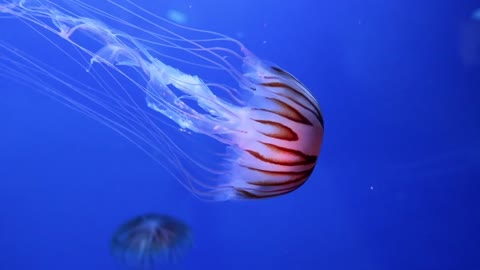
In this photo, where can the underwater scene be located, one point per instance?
(217, 134)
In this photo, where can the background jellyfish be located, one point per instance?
(270, 127)
(149, 240)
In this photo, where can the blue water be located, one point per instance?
(395, 187)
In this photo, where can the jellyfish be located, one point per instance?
(149, 240)
(262, 127)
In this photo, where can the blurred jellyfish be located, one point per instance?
(268, 124)
(147, 241)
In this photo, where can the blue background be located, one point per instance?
(395, 187)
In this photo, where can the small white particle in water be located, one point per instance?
(176, 16)
(240, 35)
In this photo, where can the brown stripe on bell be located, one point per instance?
(283, 156)
(284, 177)
(277, 130)
(287, 111)
(297, 95)
(259, 193)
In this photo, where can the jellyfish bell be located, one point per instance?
(269, 125)
(149, 240)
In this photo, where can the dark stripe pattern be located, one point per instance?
(281, 161)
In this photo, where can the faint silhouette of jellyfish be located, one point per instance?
(270, 126)
(150, 240)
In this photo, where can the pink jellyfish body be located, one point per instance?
(268, 123)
